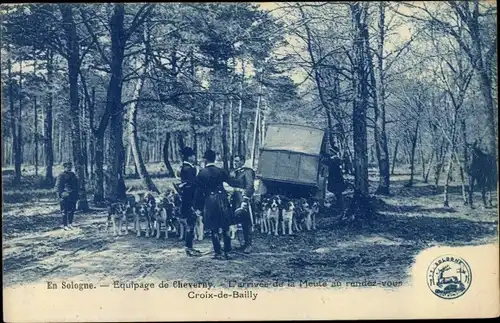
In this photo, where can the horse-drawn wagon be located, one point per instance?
(290, 162)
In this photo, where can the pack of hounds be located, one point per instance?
(156, 213)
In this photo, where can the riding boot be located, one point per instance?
(247, 232)
(340, 201)
(190, 251)
(227, 242)
(216, 242)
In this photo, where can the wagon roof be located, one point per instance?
(293, 137)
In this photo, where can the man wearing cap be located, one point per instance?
(212, 198)
(187, 191)
(242, 179)
(67, 192)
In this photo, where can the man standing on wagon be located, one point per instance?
(211, 197)
(242, 179)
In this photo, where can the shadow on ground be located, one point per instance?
(406, 223)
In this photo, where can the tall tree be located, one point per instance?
(14, 120)
(74, 62)
(317, 77)
(479, 42)
(360, 103)
(380, 115)
(119, 35)
(132, 120)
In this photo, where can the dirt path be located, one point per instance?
(35, 250)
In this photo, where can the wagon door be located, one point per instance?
(288, 166)
(308, 169)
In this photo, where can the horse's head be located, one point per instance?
(473, 150)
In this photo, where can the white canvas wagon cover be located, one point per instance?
(294, 138)
(291, 154)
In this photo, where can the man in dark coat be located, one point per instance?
(212, 198)
(242, 179)
(336, 183)
(67, 192)
(187, 192)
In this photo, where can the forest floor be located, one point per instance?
(36, 250)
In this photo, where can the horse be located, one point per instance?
(481, 169)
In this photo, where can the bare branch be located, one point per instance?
(90, 29)
(139, 18)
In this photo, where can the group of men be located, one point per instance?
(201, 192)
(204, 193)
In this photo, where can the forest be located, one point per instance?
(407, 92)
(116, 87)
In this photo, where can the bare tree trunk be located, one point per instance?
(240, 111)
(422, 155)
(157, 139)
(482, 64)
(426, 177)
(262, 124)
(446, 202)
(317, 78)
(129, 157)
(180, 140)
(73, 70)
(426, 170)
(171, 147)
(166, 160)
(223, 129)
(453, 155)
(194, 122)
(97, 152)
(437, 173)
(113, 102)
(60, 143)
(195, 145)
(360, 210)
(146, 143)
(462, 178)
(99, 170)
(413, 142)
(440, 153)
(4, 153)
(465, 157)
(425, 163)
(134, 140)
(223, 134)
(231, 135)
(246, 139)
(85, 141)
(36, 135)
(14, 121)
(394, 157)
(378, 85)
(360, 103)
(256, 122)
(20, 141)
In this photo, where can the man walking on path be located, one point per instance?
(67, 192)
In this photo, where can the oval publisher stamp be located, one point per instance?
(449, 276)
